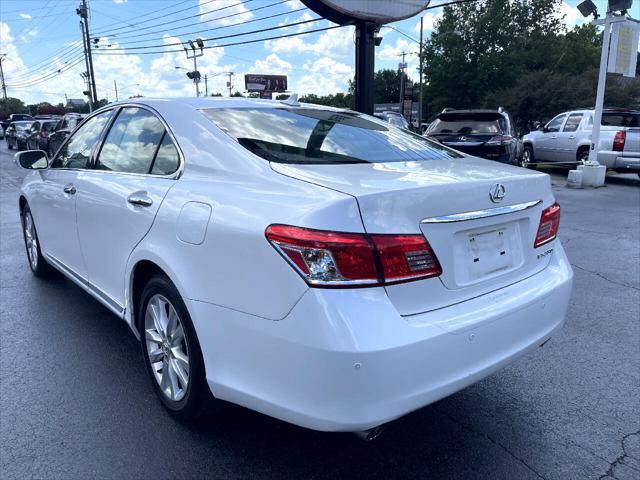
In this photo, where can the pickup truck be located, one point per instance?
(567, 138)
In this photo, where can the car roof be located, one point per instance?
(199, 103)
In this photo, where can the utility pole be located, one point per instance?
(82, 11)
(229, 82)
(4, 86)
(420, 86)
(402, 67)
(194, 55)
(115, 86)
(206, 86)
(365, 62)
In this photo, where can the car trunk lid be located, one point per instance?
(482, 244)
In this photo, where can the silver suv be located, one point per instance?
(567, 138)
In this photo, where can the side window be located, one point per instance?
(572, 122)
(35, 127)
(76, 151)
(555, 124)
(167, 159)
(132, 142)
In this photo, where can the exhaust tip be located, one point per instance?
(371, 434)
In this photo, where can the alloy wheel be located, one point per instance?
(167, 347)
(31, 239)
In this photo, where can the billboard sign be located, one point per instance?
(265, 83)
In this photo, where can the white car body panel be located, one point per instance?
(328, 359)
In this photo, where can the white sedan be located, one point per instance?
(314, 264)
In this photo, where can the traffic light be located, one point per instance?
(195, 75)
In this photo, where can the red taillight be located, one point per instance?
(500, 140)
(618, 141)
(337, 259)
(549, 223)
(406, 257)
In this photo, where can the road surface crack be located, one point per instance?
(620, 460)
(605, 278)
(494, 442)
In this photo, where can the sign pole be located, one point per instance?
(365, 61)
(602, 79)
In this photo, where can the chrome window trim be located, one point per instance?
(477, 214)
(173, 176)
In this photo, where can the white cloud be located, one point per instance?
(273, 64)
(325, 76)
(120, 1)
(212, 12)
(429, 22)
(26, 16)
(337, 42)
(295, 4)
(570, 16)
(29, 34)
(391, 55)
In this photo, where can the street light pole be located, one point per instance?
(115, 86)
(420, 86)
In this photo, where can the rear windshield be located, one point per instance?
(49, 126)
(621, 119)
(468, 123)
(20, 126)
(316, 136)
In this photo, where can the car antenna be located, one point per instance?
(292, 101)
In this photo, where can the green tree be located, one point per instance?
(517, 54)
(11, 105)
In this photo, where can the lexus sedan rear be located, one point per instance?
(317, 265)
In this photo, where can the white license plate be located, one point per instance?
(489, 253)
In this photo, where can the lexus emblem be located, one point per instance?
(497, 193)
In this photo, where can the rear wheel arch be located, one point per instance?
(141, 273)
(581, 150)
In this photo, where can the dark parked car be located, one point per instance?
(16, 135)
(488, 134)
(38, 138)
(15, 117)
(62, 131)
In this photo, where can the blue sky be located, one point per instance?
(40, 37)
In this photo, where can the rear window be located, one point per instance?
(22, 126)
(621, 119)
(49, 126)
(316, 136)
(468, 123)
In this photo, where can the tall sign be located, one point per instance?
(623, 49)
(367, 16)
(265, 83)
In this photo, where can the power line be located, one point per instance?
(134, 26)
(62, 58)
(151, 13)
(246, 42)
(45, 78)
(164, 31)
(278, 27)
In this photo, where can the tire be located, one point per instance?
(582, 156)
(181, 386)
(9, 146)
(527, 159)
(37, 263)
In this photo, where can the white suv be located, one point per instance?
(314, 264)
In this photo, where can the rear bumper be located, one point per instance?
(628, 163)
(345, 360)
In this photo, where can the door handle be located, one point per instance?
(70, 189)
(140, 199)
(572, 136)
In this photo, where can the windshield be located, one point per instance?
(316, 136)
(468, 124)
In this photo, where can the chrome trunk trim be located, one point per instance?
(489, 212)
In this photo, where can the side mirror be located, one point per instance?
(31, 159)
(545, 130)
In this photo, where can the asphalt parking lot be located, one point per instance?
(75, 401)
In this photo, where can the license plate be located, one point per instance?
(489, 253)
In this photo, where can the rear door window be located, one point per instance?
(136, 140)
(555, 124)
(319, 136)
(621, 119)
(572, 122)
